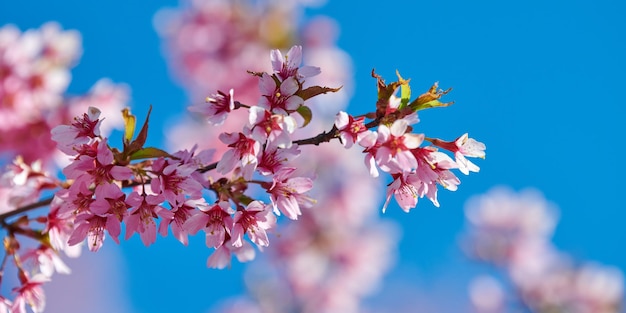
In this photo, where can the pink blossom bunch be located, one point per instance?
(416, 170)
(169, 188)
(513, 232)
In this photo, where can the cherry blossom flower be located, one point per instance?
(197, 159)
(289, 65)
(287, 193)
(254, 220)
(59, 228)
(464, 147)
(216, 221)
(216, 108)
(90, 226)
(244, 150)
(274, 159)
(110, 98)
(46, 260)
(31, 293)
(369, 142)
(434, 168)
(111, 203)
(141, 219)
(75, 200)
(273, 128)
(98, 169)
(279, 98)
(182, 213)
(393, 147)
(174, 181)
(405, 190)
(82, 131)
(350, 130)
(34, 74)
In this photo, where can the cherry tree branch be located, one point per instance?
(26, 208)
(325, 136)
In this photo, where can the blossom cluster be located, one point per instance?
(168, 188)
(393, 147)
(513, 232)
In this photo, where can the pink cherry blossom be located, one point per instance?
(276, 129)
(289, 65)
(405, 190)
(464, 147)
(244, 150)
(174, 181)
(395, 144)
(98, 169)
(350, 130)
(59, 228)
(75, 200)
(274, 159)
(182, 213)
(196, 159)
(111, 203)
(279, 98)
(90, 226)
(216, 221)
(434, 168)
(31, 293)
(216, 108)
(109, 97)
(142, 218)
(254, 220)
(46, 260)
(287, 193)
(82, 131)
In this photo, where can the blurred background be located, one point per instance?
(541, 84)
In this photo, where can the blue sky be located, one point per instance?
(541, 83)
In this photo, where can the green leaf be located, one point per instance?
(129, 125)
(431, 104)
(306, 114)
(405, 91)
(149, 152)
(430, 99)
(315, 91)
